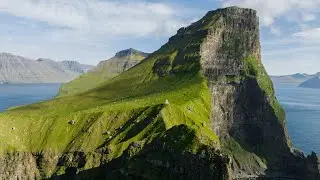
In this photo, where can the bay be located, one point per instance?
(21, 94)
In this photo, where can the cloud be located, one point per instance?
(311, 35)
(308, 17)
(129, 18)
(269, 10)
(275, 30)
(276, 66)
(86, 30)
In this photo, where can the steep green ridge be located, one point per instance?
(105, 70)
(253, 70)
(196, 108)
(139, 106)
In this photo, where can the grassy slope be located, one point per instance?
(253, 70)
(111, 114)
(130, 107)
(99, 74)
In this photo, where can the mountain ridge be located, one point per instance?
(294, 78)
(313, 83)
(18, 69)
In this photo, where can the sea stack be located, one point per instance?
(222, 119)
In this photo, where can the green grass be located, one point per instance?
(242, 157)
(116, 103)
(254, 69)
(98, 75)
(120, 111)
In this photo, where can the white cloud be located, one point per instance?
(86, 30)
(311, 35)
(103, 17)
(308, 17)
(269, 10)
(292, 64)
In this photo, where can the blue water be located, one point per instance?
(302, 106)
(21, 94)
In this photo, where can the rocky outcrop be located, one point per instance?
(17, 69)
(18, 165)
(313, 166)
(244, 107)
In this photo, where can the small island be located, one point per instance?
(311, 83)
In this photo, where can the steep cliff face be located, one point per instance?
(243, 104)
(121, 62)
(202, 106)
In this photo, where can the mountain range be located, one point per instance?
(200, 107)
(17, 69)
(294, 78)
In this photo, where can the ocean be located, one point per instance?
(302, 108)
(20, 94)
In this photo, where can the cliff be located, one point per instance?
(122, 61)
(201, 107)
(17, 69)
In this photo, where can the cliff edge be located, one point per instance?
(201, 107)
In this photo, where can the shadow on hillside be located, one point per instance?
(99, 173)
(159, 160)
(258, 130)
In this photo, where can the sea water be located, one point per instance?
(302, 106)
(21, 94)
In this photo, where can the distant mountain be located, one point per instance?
(293, 78)
(76, 66)
(311, 83)
(121, 62)
(18, 69)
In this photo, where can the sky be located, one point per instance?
(89, 31)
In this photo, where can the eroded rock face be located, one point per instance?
(19, 166)
(313, 166)
(242, 108)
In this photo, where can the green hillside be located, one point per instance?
(158, 119)
(141, 105)
(105, 70)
